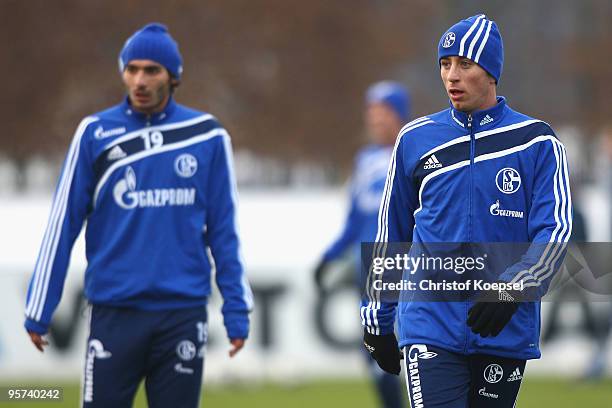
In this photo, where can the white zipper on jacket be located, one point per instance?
(469, 227)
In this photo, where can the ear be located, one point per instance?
(174, 83)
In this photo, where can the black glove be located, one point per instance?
(319, 272)
(492, 313)
(384, 350)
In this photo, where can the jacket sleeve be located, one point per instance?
(395, 224)
(223, 238)
(71, 201)
(550, 221)
(350, 232)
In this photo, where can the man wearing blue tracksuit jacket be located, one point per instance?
(478, 172)
(154, 181)
(387, 109)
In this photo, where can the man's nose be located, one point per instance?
(453, 73)
(140, 78)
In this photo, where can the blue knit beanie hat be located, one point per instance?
(153, 42)
(478, 39)
(392, 94)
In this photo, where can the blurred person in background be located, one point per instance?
(387, 109)
(598, 364)
(567, 287)
(477, 172)
(154, 181)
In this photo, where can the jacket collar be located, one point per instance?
(155, 118)
(482, 119)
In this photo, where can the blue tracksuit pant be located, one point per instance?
(165, 348)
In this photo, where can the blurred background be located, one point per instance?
(287, 79)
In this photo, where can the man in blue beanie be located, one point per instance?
(387, 109)
(477, 175)
(153, 51)
(154, 181)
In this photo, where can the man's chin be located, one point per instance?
(461, 106)
(138, 105)
(142, 107)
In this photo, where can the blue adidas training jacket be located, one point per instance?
(466, 178)
(156, 192)
(367, 186)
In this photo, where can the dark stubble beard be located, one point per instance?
(159, 95)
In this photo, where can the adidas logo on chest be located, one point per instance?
(485, 120)
(432, 163)
(116, 153)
